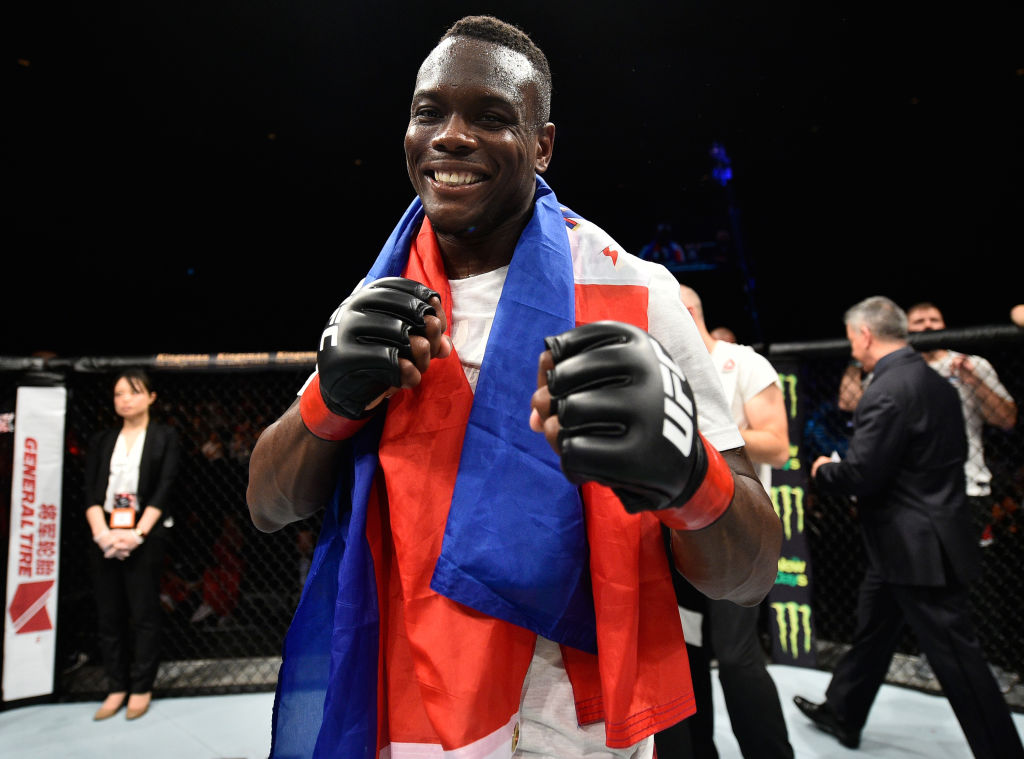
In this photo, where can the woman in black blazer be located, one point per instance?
(130, 472)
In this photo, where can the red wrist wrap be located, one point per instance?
(711, 499)
(320, 420)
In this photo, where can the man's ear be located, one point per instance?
(545, 146)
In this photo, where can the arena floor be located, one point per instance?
(904, 723)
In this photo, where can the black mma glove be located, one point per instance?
(628, 421)
(359, 350)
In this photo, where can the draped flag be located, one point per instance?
(454, 539)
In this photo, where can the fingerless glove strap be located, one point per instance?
(709, 501)
(320, 420)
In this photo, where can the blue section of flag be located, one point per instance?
(326, 704)
(511, 498)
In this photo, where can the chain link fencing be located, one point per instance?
(228, 590)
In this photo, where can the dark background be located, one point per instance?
(216, 176)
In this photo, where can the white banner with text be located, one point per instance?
(30, 621)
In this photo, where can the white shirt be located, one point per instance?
(474, 303)
(124, 468)
(744, 373)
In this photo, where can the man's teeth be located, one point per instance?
(456, 178)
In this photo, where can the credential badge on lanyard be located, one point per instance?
(126, 506)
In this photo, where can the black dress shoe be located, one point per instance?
(823, 716)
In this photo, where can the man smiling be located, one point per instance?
(473, 153)
(490, 578)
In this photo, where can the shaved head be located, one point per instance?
(691, 300)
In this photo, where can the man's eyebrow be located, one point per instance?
(490, 98)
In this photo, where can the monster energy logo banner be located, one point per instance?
(790, 599)
(792, 572)
(789, 505)
(793, 625)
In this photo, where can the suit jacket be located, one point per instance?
(905, 467)
(157, 469)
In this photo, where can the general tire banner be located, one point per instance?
(30, 618)
(789, 602)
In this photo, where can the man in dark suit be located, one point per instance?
(905, 467)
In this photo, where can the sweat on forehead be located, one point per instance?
(448, 59)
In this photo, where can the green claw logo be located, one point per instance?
(787, 500)
(793, 619)
(789, 391)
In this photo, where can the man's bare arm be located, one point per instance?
(736, 557)
(766, 440)
(995, 409)
(292, 473)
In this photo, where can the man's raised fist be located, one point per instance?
(360, 348)
(627, 416)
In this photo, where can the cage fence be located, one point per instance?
(228, 591)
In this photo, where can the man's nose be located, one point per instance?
(454, 135)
